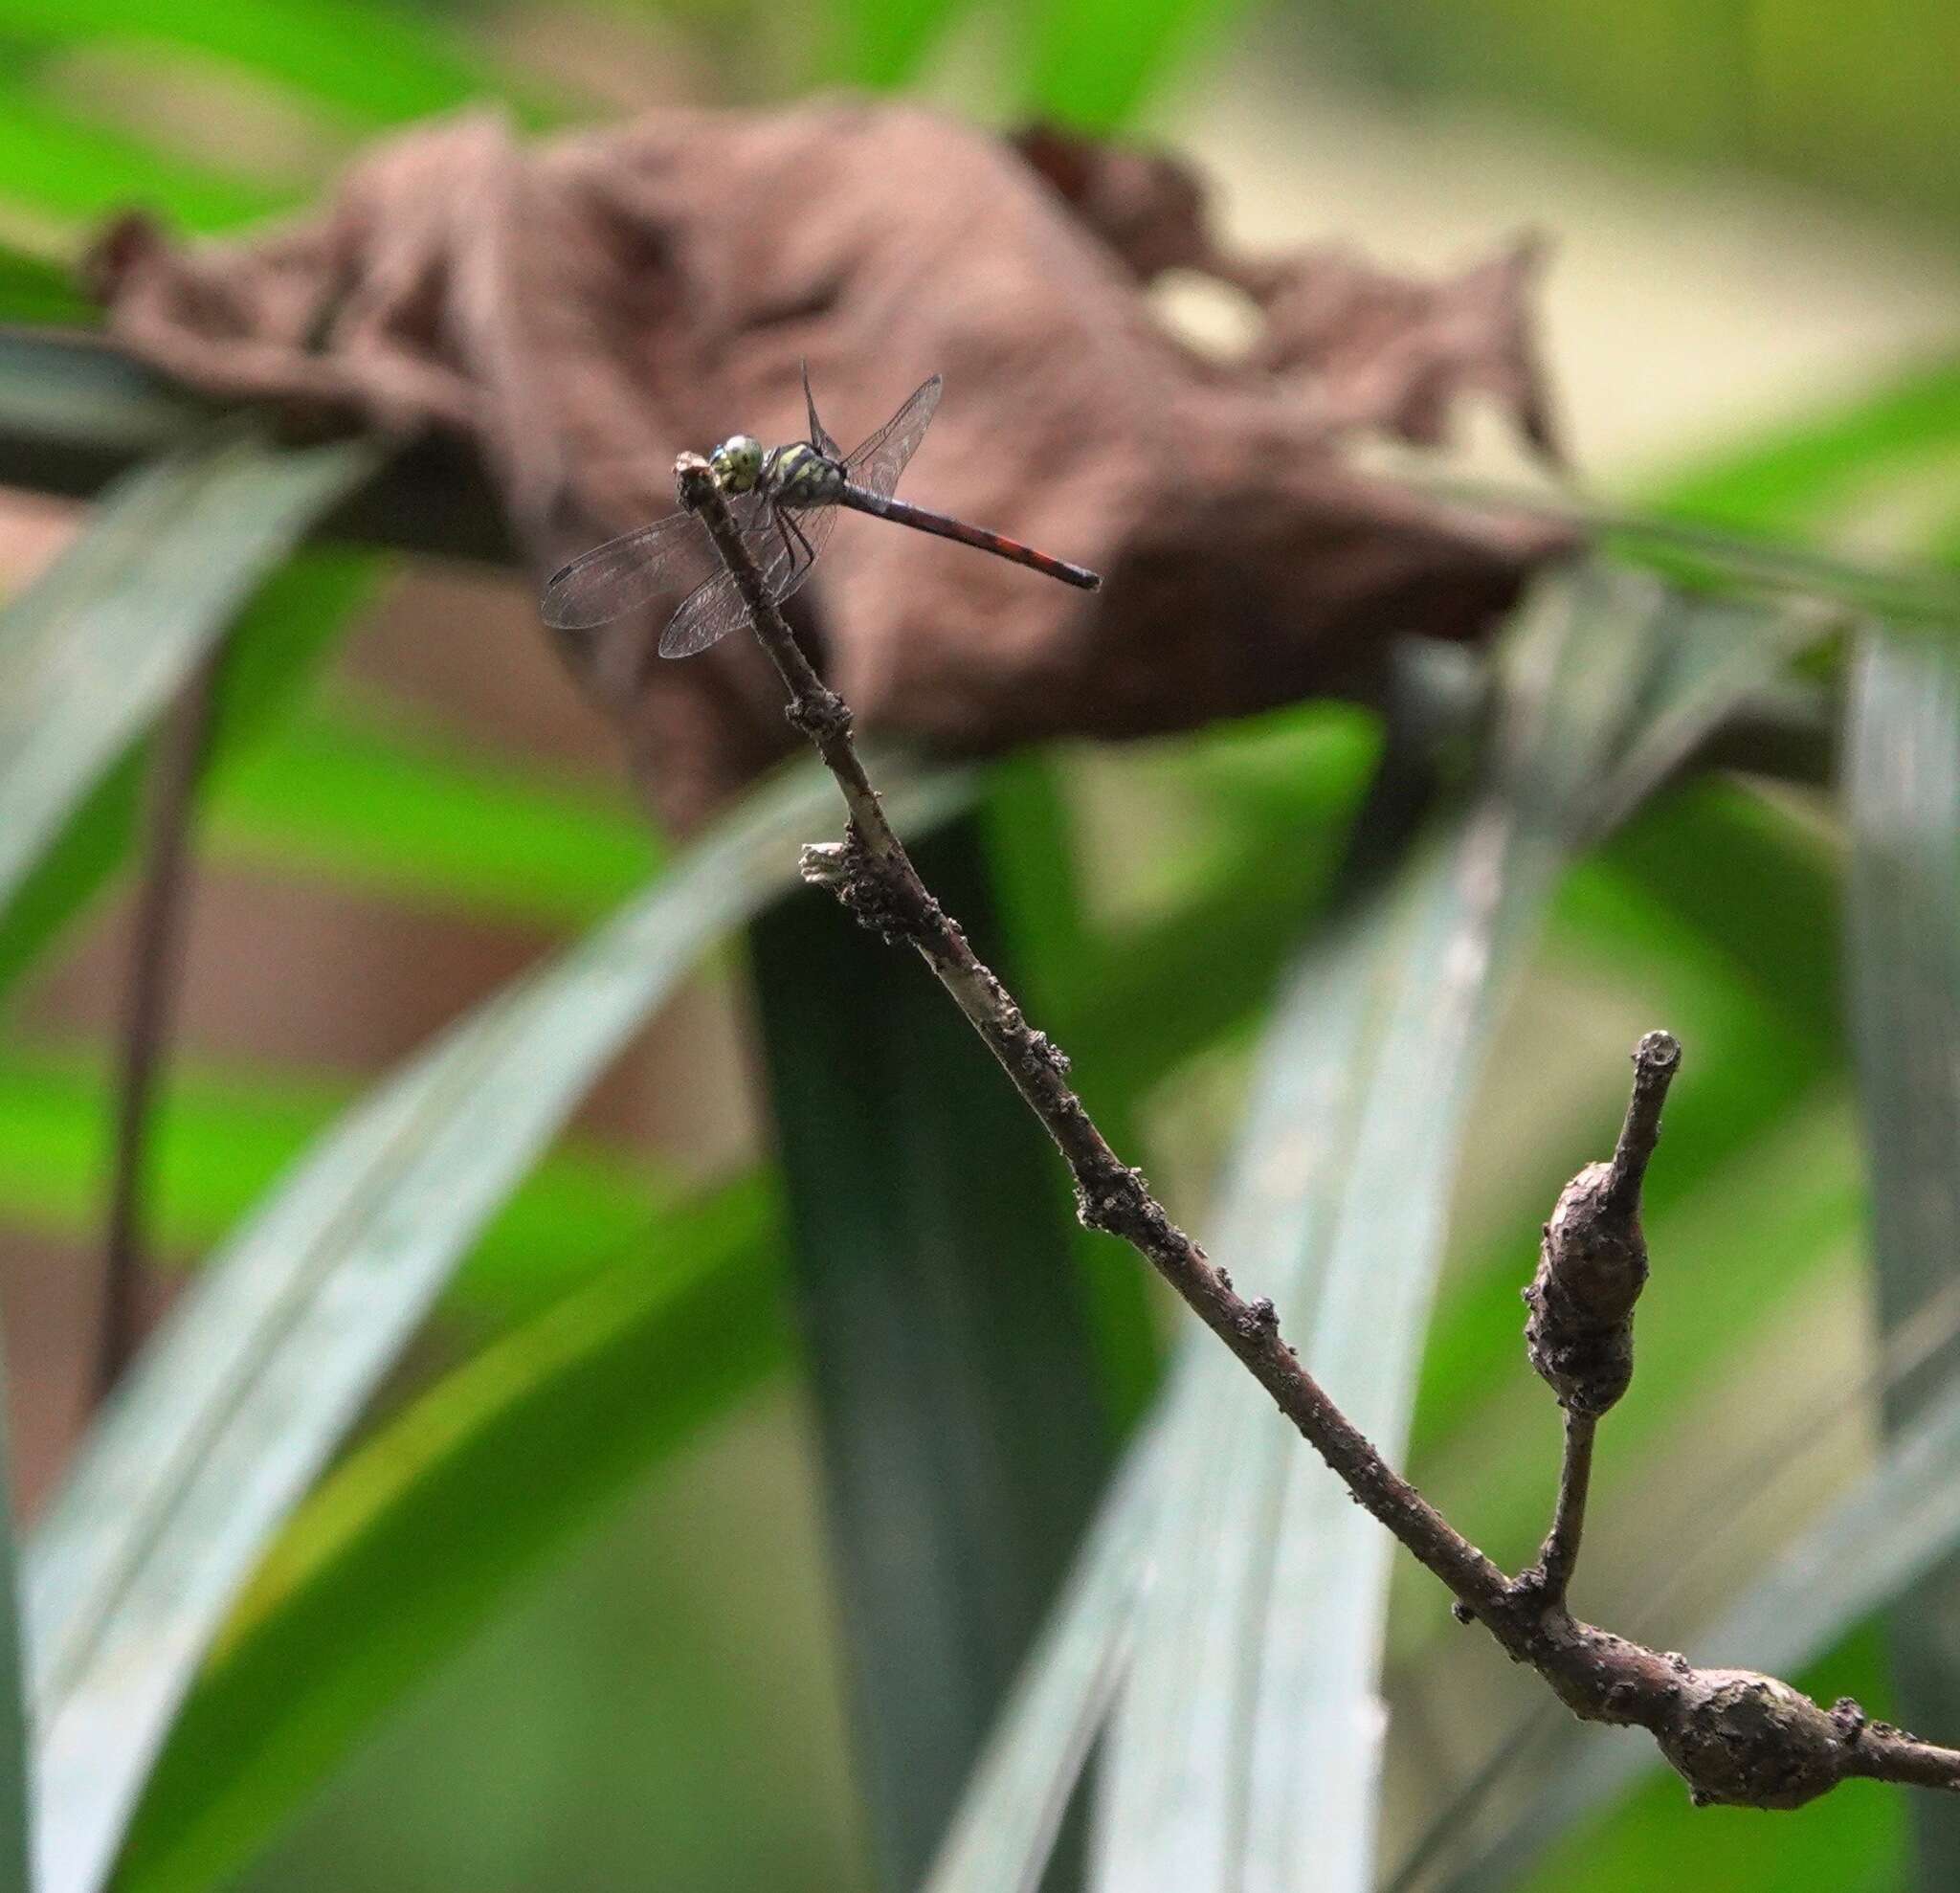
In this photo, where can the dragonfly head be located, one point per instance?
(737, 463)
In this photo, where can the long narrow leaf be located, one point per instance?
(1000, 1838)
(68, 401)
(376, 62)
(346, 1613)
(1634, 681)
(403, 1551)
(1246, 1741)
(1904, 781)
(224, 1137)
(881, 43)
(62, 163)
(275, 643)
(1820, 465)
(344, 1616)
(1312, 1078)
(378, 803)
(34, 287)
(953, 1377)
(13, 1734)
(1250, 1723)
(261, 1371)
(1092, 62)
(95, 647)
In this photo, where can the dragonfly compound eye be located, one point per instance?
(737, 463)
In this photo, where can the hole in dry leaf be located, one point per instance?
(1216, 317)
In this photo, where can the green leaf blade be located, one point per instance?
(1091, 63)
(371, 803)
(259, 1371)
(947, 1334)
(400, 1557)
(92, 651)
(1903, 775)
(1247, 1739)
(377, 64)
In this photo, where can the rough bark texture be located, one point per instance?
(1593, 1261)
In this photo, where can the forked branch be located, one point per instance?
(1735, 1736)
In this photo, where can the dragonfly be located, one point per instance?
(783, 500)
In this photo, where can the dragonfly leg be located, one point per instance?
(782, 519)
(802, 539)
(800, 545)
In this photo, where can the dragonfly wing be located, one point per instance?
(672, 555)
(878, 464)
(818, 437)
(710, 613)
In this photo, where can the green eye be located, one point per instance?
(738, 462)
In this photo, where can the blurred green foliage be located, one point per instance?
(1853, 98)
(606, 1315)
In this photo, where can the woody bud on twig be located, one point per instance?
(1593, 1261)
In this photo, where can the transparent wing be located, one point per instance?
(672, 557)
(708, 615)
(673, 554)
(713, 609)
(819, 438)
(878, 464)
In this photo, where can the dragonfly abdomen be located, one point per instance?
(980, 537)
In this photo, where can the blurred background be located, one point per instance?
(1750, 306)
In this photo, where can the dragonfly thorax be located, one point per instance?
(799, 476)
(737, 463)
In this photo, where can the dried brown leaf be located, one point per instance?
(583, 308)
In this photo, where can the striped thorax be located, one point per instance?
(799, 476)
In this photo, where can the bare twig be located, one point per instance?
(874, 877)
(1591, 1271)
(1656, 1060)
(155, 936)
(1733, 1735)
(1559, 1555)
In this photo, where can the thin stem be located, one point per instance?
(1559, 1556)
(1890, 1754)
(1656, 1060)
(154, 940)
